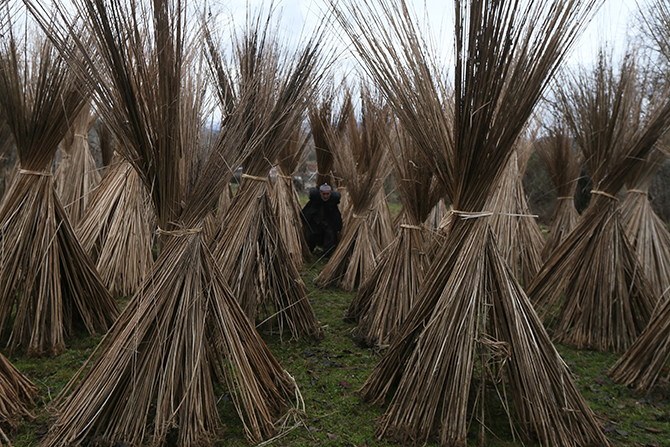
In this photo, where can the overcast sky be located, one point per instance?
(610, 25)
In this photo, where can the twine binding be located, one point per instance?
(39, 173)
(253, 177)
(603, 193)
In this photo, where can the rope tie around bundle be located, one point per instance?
(518, 215)
(358, 216)
(80, 135)
(38, 173)
(411, 227)
(603, 193)
(471, 214)
(253, 177)
(637, 191)
(178, 233)
(566, 198)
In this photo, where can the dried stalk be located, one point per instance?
(77, 174)
(386, 296)
(362, 164)
(117, 229)
(472, 317)
(563, 160)
(517, 234)
(607, 298)
(48, 284)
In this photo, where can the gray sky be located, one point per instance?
(610, 24)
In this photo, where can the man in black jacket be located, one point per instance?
(322, 219)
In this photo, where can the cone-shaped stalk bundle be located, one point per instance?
(642, 364)
(48, 284)
(646, 231)
(117, 229)
(386, 296)
(563, 160)
(607, 299)
(361, 158)
(77, 174)
(183, 333)
(472, 325)
(249, 247)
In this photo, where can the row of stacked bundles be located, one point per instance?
(459, 298)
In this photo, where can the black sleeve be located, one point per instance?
(307, 212)
(337, 220)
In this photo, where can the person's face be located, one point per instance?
(325, 195)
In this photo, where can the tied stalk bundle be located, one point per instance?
(518, 236)
(249, 247)
(117, 229)
(641, 366)
(472, 338)
(256, 262)
(646, 231)
(17, 395)
(563, 160)
(48, 284)
(154, 378)
(386, 296)
(286, 201)
(594, 280)
(77, 174)
(322, 124)
(361, 160)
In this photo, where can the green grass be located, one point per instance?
(330, 372)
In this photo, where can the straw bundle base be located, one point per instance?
(607, 299)
(384, 300)
(48, 283)
(354, 257)
(182, 333)
(16, 395)
(565, 219)
(258, 267)
(641, 365)
(650, 238)
(116, 229)
(472, 318)
(287, 207)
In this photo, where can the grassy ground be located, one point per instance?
(329, 373)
